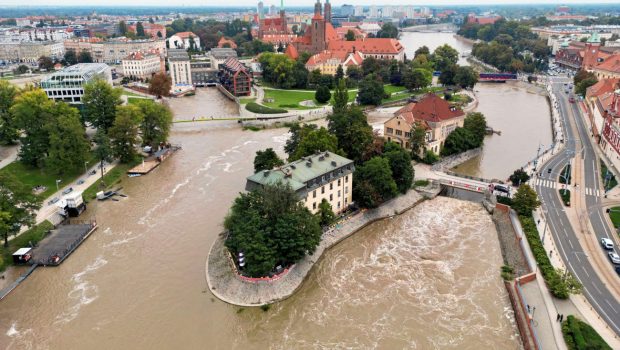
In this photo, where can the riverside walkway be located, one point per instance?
(226, 285)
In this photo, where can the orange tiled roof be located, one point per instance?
(602, 86)
(185, 35)
(431, 108)
(610, 64)
(291, 52)
(326, 55)
(367, 46)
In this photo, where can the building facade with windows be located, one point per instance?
(67, 85)
(432, 113)
(235, 77)
(31, 51)
(180, 70)
(142, 65)
(324, 175)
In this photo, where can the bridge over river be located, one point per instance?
(432, 28)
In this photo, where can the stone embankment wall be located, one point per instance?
(456, 159)
(227, 286)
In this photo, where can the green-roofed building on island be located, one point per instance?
(324, 175)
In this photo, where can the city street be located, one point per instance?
(566, 236)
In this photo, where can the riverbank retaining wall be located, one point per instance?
(224, 282)
(456, 159)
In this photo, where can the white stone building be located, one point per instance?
(67, 85)
(140, 65)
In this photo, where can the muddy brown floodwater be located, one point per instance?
(416, 281)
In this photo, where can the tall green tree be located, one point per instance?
(8, 128)
(525, 200)
(266, 160)
(339, 73)
(350, 36)
(371, 91)
(315, 141)
(100, 102)
(465, 77)
(476, 123)
(140, 30)
(70, 57)
(122, 28)
(33, 112)
(422, 50)
(160, 85)
(444, 56)
(18, 205)
(156, 122)
(85, 57)
(417, 140)
(417, 78)
(458, 141)
(341, 97)
(322, 94)
(447, 75)
(270, 226)
(45, 63)
(325, 214)
(583, 80)
(400, 164)
(373, 183)
(68, 146)
(388, 30)
(298, 132)
(354, 134)
(124, 132)
(103, 151)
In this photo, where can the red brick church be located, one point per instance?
(275, 29)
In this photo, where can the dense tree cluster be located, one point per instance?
(508, 45)
(266, 160)
(271, 227)
(583, 80)
(470, 136)
(210, 31)
(18, 206)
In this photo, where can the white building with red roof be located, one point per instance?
(328, 61)
(138, 65)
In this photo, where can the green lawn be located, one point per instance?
(247, 100)
(33, 176)
(133, 100)
(390, 89)
(113, 177)
(129, 93)
(34, 235)
(614, 215)
(287, 98)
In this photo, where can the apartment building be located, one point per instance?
(138, 65)
(67, 85)
(179, 65)
(235, 77)
(31, 51)
(114, 51)
(324, 175)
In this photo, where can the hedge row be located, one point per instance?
(256, 108)
(579, 335)
(554, 280)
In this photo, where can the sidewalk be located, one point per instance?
(577, 304)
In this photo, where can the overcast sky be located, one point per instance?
(181, 3)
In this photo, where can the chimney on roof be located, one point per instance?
(308, 164)
(265, 173)
(333, 163)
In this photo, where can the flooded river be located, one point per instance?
(416, 281)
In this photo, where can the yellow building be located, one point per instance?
(324, 175)
(328, 61)
(433, 113)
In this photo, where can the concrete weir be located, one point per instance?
(229, 287)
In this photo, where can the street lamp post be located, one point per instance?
(57, 182)
(85, 169)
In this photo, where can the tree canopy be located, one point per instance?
(8, 128)
(100, 102)
(373, 183)
(400, 164)
(156, 122)
(266, 160)
(271, 227)
(18, 205)
(69, 148)
(525, 200)
(371, 91)
(124, 132)
(160, 85)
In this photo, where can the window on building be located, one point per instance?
(331, 197)
(338, 193)
(346, 178)
(390, 130)
(314, 194)
(399, 133)
(407, 134)
(331, 186)
(314, 205)
(322, 189)
(338, 182)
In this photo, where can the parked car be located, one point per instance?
(53, 201)
(607, 243)
(549, 171)
(614, 258)
(68, 190)
(618, 270)
(80, 181)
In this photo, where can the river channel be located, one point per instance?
(418, 280)
(518, 110)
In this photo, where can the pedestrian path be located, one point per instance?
(554, 184)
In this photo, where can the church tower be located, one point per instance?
(317, 8)
(328, 11)
(284, 27)
(318, 43)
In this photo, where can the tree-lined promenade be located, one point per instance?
(54, 143)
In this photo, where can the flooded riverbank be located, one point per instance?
(139, 281)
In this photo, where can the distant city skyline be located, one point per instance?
(245, 3)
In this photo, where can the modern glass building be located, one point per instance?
(67, 85)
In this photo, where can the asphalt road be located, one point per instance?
(559, 226)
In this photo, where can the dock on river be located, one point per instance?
(61, 242)
(152, 162)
